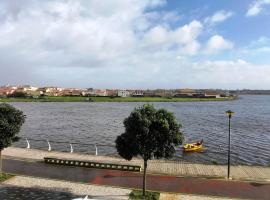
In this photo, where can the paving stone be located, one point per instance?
(25, 188)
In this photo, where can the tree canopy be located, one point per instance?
(18, 95)
(11, 120)
(149, 133)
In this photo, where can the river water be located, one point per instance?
(87, 124)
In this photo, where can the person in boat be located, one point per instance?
(199, 142)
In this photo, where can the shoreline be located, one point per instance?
(115, 99)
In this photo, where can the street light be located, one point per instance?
(229, 113)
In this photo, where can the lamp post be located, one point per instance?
(229, 113)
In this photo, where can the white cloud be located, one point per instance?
(218, 17)
(256, 7)
(216, 44)
(254, 10)
(258, 47)
(183, 40)
(115, 44)
(169, 71)
(163, 17)
(261, 41)
(157, 35)
(257, 50)
(188, 33)
(232, 74)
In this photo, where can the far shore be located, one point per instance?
(112, 99)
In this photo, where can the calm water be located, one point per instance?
(86, 124)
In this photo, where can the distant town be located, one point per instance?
(36, 92)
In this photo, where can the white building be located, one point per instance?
(212, 95)
(137, 93)
(123, 93)
(28, 88)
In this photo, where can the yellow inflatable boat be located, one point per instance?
(197, 146)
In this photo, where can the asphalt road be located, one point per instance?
(200, 186)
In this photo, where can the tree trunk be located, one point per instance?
(0, 161)
(144, 176)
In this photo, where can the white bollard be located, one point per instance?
(28, 144)
(71, 148)
(96, 150)
(49, 146)
(85, 198)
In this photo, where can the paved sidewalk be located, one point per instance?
(30, 188)
(155, 166)
(166, 196)
(125, 179)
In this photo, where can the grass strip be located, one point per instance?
(4, 177)
(111, 99)
(137, 194)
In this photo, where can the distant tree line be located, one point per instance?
(250, 92)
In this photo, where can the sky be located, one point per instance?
(134, 44)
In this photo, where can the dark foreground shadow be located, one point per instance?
(258, 184)
(9, 192)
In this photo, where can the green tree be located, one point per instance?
(149, 133)
(18, 95)
(11, 120)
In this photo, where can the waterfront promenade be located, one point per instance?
(31, 188)
(125, 179)
(28, 162)
(175, 168)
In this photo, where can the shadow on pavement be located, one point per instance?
(257, 184)
(10, 192)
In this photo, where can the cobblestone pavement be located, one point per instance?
(29, 188)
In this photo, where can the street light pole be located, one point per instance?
(229, 113)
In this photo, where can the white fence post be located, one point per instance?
(28, 144)
(71, 148)
(49, 146)
(96, 150)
